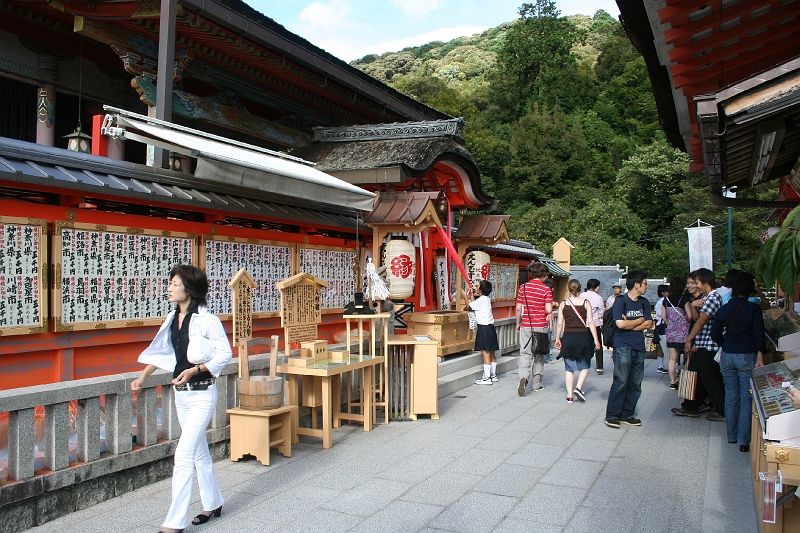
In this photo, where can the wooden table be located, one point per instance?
(331, 410)
(255, 432)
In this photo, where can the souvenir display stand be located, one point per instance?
(378, 329)
(414, 377)
(775, 446)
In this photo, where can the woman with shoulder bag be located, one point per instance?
(738, 328)
(675, 313)
(574, 335)
(195, 393)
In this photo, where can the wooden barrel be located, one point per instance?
(260, 393)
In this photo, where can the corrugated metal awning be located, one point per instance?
(238, 164)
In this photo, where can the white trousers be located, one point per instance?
(195, 409)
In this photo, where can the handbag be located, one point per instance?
(540, 340)
(718, 355)
(688, 382)
(200, 349)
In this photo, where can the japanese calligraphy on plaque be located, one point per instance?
(23, 276)
(335, 267)
(114, 277)
(504, 280)
(301, 299)
(267, 264)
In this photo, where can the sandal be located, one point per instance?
(202, 518)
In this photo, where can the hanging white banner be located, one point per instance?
(700, 241)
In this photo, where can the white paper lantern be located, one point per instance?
(479, 266)
(401, 265)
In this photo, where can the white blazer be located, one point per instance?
(160, 353)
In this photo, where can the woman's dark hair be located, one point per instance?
(486, 287)
(592, 284)
(194, 281)
(662, 289)
(677, 292)
(743, 286)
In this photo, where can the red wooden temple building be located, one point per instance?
(197, 171)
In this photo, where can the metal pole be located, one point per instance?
(730, 240)
(166, 71)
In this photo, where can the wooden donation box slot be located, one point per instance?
(775, 445)
(450, 330)
(414, 377)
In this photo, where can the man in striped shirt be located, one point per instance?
(534, 305)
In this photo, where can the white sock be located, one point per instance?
(660, 362)
(487, 370)
(494, 368)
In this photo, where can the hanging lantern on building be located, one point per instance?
(479, 266)
(79, 141)
(401, 264)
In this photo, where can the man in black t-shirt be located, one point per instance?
(631, 314)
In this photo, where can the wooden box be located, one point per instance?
(300, 361)
(339, 356)
(450, 330)
(311, 391)
(318, 348)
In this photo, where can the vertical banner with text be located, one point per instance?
(700, 245)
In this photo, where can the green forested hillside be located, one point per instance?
(562, 121)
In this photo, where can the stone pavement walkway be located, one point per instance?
(493, 462)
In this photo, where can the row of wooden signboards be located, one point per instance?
(102, 276)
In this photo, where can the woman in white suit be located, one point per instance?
(195, 393)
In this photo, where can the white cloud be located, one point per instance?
(348, 49)
(322, 14)
(416, 8)
(440, 34)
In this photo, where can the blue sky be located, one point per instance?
(350, 29)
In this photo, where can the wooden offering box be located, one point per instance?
(450, 330)
(339, 356)
(318, 349)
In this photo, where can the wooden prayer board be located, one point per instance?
(23, 276)
(114, 277)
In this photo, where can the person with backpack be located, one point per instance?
(738, 327)
(631, 317)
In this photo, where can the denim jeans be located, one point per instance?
(735, 368)
(627, 385)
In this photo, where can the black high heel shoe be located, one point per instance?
(202, 518)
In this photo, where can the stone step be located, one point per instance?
(455, 381)
(457, 363)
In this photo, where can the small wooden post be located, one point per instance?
(242, 285)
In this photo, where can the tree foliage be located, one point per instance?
(562, 121)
